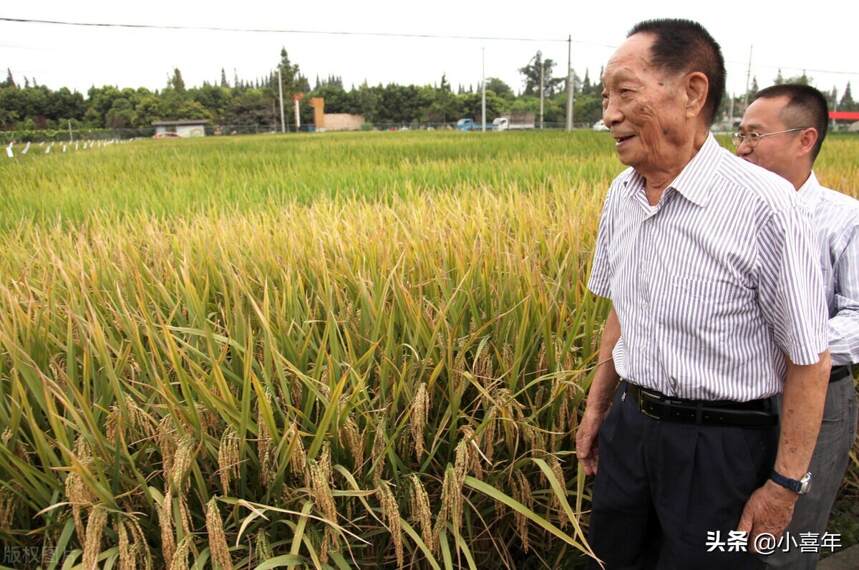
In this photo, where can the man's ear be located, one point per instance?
(807, 140)
(697, 86)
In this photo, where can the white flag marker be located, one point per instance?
(9, 152)
(26, 149)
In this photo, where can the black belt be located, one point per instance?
(755, 413)
(840, 373)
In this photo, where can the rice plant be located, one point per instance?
(332, 351)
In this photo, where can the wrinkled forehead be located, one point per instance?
(631, 60)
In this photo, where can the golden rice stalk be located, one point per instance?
(182, 462)
(325, 546)
(217, 539)
(483, 368)
(522, 493)
(166, 438)
(539, 397)
(77, 493)
(487, 437)
(266, 460)
(127, 547)
(296, 387)
(391, 516)
(141, 422)
(228, 459)
(451, 503)
(92, 543)
(462, 460)
(8, 505)
(378, 453)
(113, 424)
(298, 456)
(420, 511)
(184, 514)
(419, 417)
(350, 438)
(141, 547)
(322, 495)
(179, 560)
(165, 521)
(325, 461)
(210, 421)
(262, 548)
(472, 452)
(508, 410)
(558, 472)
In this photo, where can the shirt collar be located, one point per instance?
(809, 193)
(693, 182)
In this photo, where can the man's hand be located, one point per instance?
(599, 397)
(587, 442)
(768, 510)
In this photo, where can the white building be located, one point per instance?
(184, 129)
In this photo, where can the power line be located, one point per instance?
(795, 67)
(365, 34)
(281, 31)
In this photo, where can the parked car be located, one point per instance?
(472, 125)
(513, 123)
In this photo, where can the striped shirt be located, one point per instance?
(836, 220)
(714, 286)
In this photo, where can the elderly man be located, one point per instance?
(783, 131)
(712, 271)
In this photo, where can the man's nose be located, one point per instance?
(744, 148)
(611, 114)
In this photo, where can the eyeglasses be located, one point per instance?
(753, 138)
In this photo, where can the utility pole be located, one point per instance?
(834, 105)
(731, 111)
(280, 92)
(483, 90)
(570, 85)
(748, 74)
(540, 63)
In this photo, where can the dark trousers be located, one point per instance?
(661, 487)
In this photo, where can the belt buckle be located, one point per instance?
(641, 403)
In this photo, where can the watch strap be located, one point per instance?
(787, 482)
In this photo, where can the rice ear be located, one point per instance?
(217, 539)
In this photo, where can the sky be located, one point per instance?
(820, 39)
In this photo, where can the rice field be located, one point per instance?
(357, 350)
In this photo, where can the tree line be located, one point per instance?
(27, 106)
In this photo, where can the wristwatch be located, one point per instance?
(800, 487)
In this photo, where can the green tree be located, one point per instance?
(847, 103)
(779, 78)
(121, 114)
(499, 88)
(293, 80)
(532, 76)
(176, 82)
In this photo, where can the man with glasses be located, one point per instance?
(717, 305)
(783, 130)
